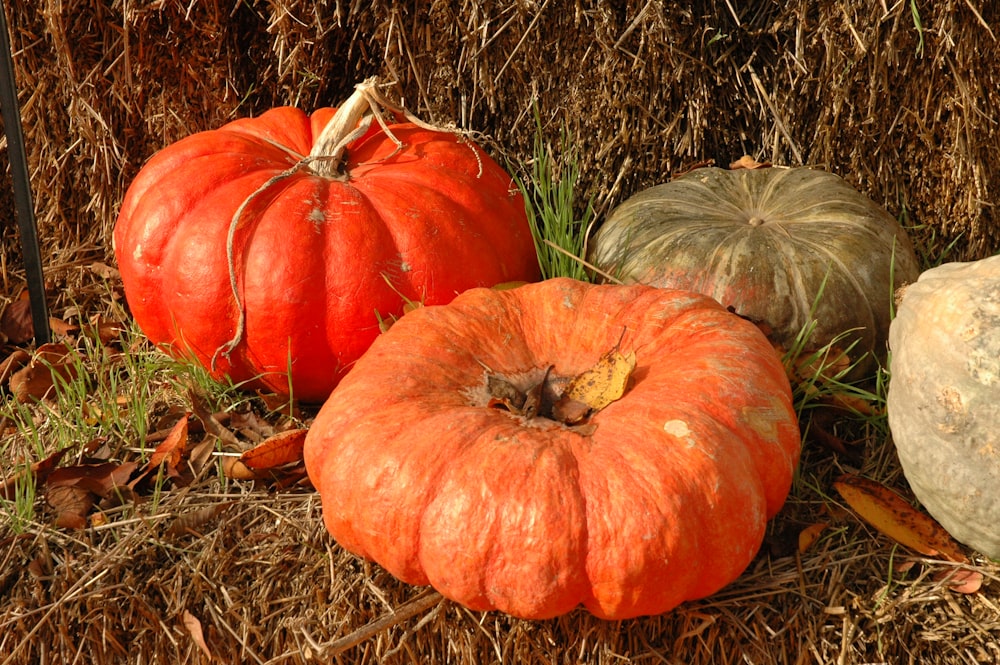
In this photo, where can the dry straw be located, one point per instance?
(901, 99)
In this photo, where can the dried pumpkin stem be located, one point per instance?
(348, 124)
(352, 120)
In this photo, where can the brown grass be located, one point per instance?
(268, 585)
(647, 90)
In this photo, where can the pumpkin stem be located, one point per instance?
(348, 124)
(353, 119)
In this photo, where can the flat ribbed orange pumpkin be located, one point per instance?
(660, 497)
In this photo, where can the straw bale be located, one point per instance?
(906, 111)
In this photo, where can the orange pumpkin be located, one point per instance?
(268, 249)
(660, 497)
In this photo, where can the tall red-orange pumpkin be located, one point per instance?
(264, 247)
(662, 497)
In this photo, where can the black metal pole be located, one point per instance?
(23, 204)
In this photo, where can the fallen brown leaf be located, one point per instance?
(16, 326)
(109, 331)
(171, 450)
(961, 580)
(570, 411)
(893, 516)
(809, 535)
(503, 394)
(193, 626)
(17, 359)
(35, 380)
(60, 328)
(210, 422)
(72, 504)
(39, 471)
(276, 451)
(201, 454)
(189, 522)
(102, 480)
(280, 404)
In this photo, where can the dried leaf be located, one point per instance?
(104, 271)
(103, 480)
(570, 411)
(893, 516)
(16, 326)
(603, 383)
(72, 504)
(201, 454)
(748, 162)
(17, 359)
(809, 535)
(98, 519)
(503, 394)
(41, 566)
(277, 458)
(595, 388)
(210, 422)
(189, 522)
(40, 470)
(36, 379)
(275, 403)
(961, 580)
(171, 449)
(193, 626)
(60, 328)
(276, 451)
(250, 425)
(233, 467)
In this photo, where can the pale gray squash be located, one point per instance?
(944, 397)
(766, 242)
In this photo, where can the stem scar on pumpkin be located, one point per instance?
(584, 395)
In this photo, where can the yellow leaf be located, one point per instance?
(603, 383)
(893, 516)
(809, 535)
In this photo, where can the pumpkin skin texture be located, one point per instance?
(315, 255)
(943, 401)
(766, 242)
(662, 498)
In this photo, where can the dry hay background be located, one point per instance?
(906, 112)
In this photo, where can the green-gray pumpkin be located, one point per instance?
(944, 397)
(768, 243)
